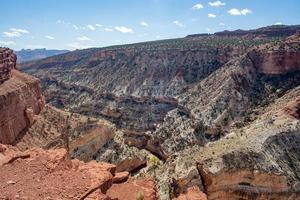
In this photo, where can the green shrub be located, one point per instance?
(139, 195)
(153, 161)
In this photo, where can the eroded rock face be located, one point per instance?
(277, 58)
(7, 63)
(52, 126)
(40, 174)
(20, 100)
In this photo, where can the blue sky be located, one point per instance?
(72, 24)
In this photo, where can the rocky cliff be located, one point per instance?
(20, 99)
(7, 63)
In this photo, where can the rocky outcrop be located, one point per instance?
(7, 63)
(20, 100)
(40, 174)
(52, 126)
(277, 58)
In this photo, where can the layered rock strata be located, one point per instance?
(20, 99)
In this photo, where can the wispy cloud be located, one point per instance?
(11, 34)
(210, 15)
(217, 4)
(49, 37)
(124, 29)
(60, 21)
(221, 24)
(237, 12)
(76, 27)
(7, 43)
(84, 38)
(19, 30)
(15, 32)
(91, 27)
(278, 23)
(197, 6)
(108, 29)
(177, 23)
(144, 24)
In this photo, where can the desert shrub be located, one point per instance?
(139, 195)
(153, 161)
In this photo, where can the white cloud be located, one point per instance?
(278, 23)
(210, 15)
(246, 11)
(79, 27)
(7, 43)
(99, 25)
(217, 4)
(19, 30)
(12, 34)
(15, 32)
(49, 37)
(177, 23)
(123, 29)
(77, 45)
(91, 27)
(197, 6)
(84, 38)
(221, 24)
(63, 22)
(109, 29)
(144, 24)
(237, 12)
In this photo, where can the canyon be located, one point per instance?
(208, 116)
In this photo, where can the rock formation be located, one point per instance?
(214, 116)
(7, 63)
(20, 99)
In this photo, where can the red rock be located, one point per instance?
(193, 193)
(130, 164)
(130, 189)
(120, 177)
(20, 100)
(279, 58)
(49, 174)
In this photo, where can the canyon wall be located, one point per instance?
(20, 99)
(278, 57)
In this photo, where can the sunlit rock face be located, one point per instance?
(20, 98)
